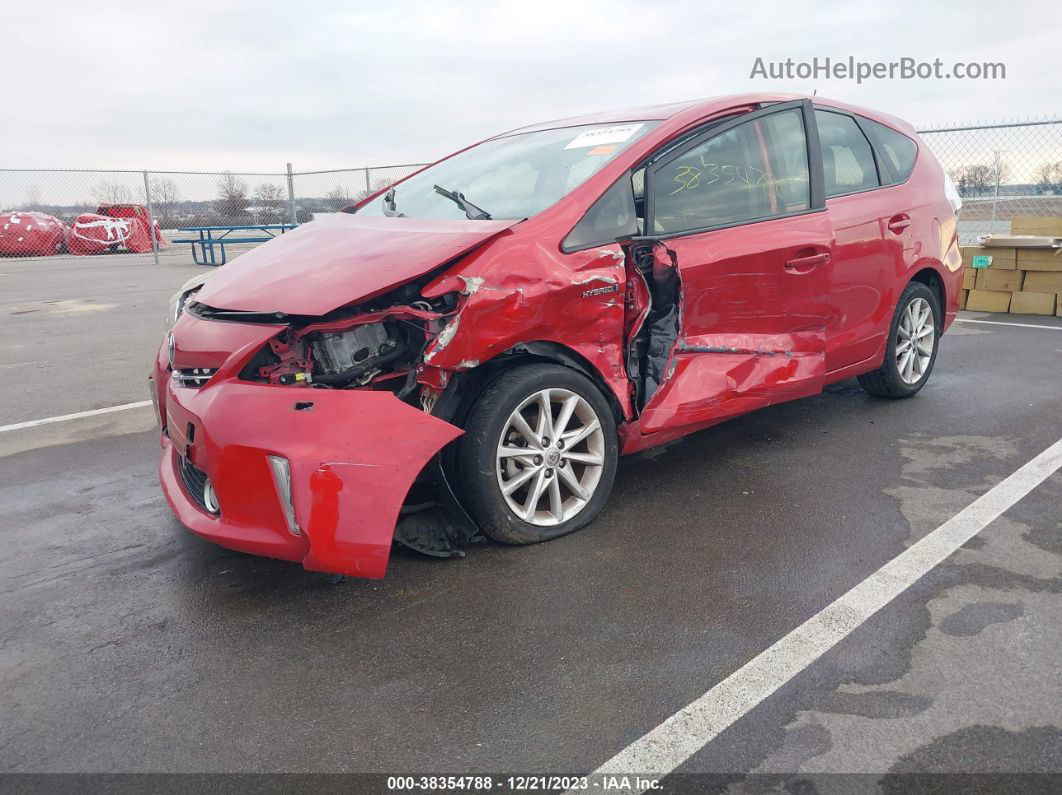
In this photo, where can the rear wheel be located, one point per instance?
(912, 349)
(539, 454)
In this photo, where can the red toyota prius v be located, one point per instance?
(468, 352)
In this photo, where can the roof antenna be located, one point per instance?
(813, 93)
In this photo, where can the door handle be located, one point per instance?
(898, 223)
(806, 264)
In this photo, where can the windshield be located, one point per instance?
(511, 177)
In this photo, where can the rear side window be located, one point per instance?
(755, 170)
(847, 158)
(896, 149)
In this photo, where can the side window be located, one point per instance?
(898, 151)
(755, 170)
(847, 159)
(788, 152)
(611, 218)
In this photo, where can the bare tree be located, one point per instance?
(269, 200)
(978, 179)
(376, 186)
(33, 197)
(1049, 177)
(974, 180)
(232, 196)
(112, 193)
(164, 197)
(958, 176)
(338, 198)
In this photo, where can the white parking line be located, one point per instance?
(675, 740)
(78, 415)
(1001, 323)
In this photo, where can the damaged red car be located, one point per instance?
(470, 351)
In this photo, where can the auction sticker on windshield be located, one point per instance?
(604, 135)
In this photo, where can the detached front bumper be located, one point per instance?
(352, 456)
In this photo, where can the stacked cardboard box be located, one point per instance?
(1025, 281)
(1050, 226)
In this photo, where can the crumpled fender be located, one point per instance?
(574, 300)
(353, 454)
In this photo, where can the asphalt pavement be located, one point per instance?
(128, 645)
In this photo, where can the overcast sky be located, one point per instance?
(253, 85)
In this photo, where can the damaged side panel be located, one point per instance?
(719, 376)
(575, 300)
(653, 303)
(750, 327)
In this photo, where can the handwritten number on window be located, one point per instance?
(690, 177)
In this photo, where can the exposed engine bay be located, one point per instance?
(358, 355)
(372, 346)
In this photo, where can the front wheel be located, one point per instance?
(912, 350)
(539, 454)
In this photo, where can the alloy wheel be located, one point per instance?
(915, 337)
(550, 457)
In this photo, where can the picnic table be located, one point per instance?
(211, 236)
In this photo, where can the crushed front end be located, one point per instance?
(301, 438)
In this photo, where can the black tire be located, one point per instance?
(477, 465)
(886, 381)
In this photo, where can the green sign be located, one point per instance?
(982, 261)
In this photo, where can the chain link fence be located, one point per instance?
(1003, 171)
(178, 201)
(330, 191)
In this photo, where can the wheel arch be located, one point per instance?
(931, 278)
(466, 386)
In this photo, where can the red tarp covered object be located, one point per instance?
(31, 234)
(94, 234)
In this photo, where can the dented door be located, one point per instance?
(752, 326)
(753, 296)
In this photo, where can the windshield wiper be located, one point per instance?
(471, 211)
(390, 209)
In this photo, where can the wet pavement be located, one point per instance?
(128, 645)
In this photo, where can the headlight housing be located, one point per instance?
(182, 296)
(177, 305)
